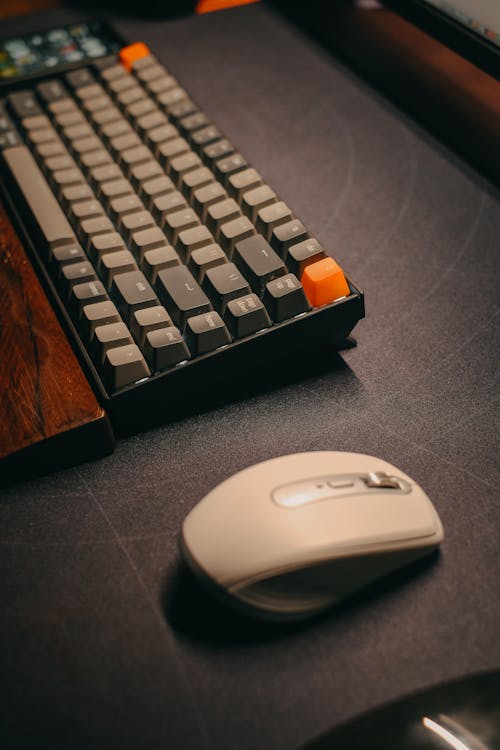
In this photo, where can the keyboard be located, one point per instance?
(173, 265)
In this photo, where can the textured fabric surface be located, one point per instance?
(105, 641)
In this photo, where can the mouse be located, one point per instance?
(292, 536)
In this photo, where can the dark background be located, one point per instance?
(104, 639)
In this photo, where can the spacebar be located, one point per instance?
(52, 222)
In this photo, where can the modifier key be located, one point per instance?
(285, 298)
(181, 294)
(124, 365)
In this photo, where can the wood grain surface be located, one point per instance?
(43, 390)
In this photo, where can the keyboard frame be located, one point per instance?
(200, 380)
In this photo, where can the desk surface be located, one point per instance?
(105, 640)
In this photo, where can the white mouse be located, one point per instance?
(292, 536)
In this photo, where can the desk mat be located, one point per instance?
(105, 640)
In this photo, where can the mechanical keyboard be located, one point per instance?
(172, 264)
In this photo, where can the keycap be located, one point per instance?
(114, 189)
(195, 179)
(206, 196)
(165, 348)
(24, 104)
(75, 193)
(167, 204)
(181, 165)
(224, 283)
(97, 158)
(234, 231)
(284, 298)
(158, 135)
(51, 91)
(76, 273)
(163, 83)
(50, 219)
(170, 149)
(89, 228)
(149, 72)
(241, 182)
(220, 212)
(303, 254)
(123, 205)
(270, 217)
(192, 239)
(132, 53)
(110, 336)
(224, 168)
(288, 234)
(158, 259)
(66, 254)
(148, 319)
(182, 108)
(181, 294)
(132, 291)
(144, 172)
(78, 78)
(178, 221)
(204, 258)
(192, 122)
(147, 239)
(154, 188)
(124, 365)
(215, 151)
(98, 314)
(140, 108)
(35, 122)
(104, 243)
(171, 97)
(206, 332)
(136, 221)
(246, 315)
(86, 210)
(258, 262)
(205, 136)
(254, 200)
(151, 121)
(86, 293)
(112, 264)
(324, 282)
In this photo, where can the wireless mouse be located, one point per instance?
(291, 536)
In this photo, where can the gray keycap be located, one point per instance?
(288, 234)
(181, 294)
(105, 173)
(24, 104)
(178, 221)
(86, 293)
(105, 117)
(75, 193)
(272, 216)
(115, 128)
(42, 136)
(65, 177)
(154, 188)
(148, 319)
(149, 72)
(227, 166)
(160, 84)
(89, 228)
(234, 231)
(215, 151)
(195, 179)
(253, 200)
(124, 365)
(124, 141)
(160, 134)
(223, 283)
(81, 130)
(112, 264)
(170, 150)
(158, 259)
(241, 182)
(129, 96)
(204, 137)
(168, 98)
(126, 204)
(36, 122)
(147, 239)
(132, 157)
(140, 108)
(104, 243)
(52, 223)
(204, 258)
(150, 121)
(144, 172)
(192, 239)
(206, 332)
(132, 292)
(206, 196)
(284, 298)
(136, 221)
(89, 209)
(82, 145)
(121, 83)
(221, 212)
(109, 191)
(66, 254)
(165, 348)
(245, 316)
(110, 336)
(299, 256)
(258, 262)
(167, 204)
(97, 158)
(98, 314)
(76, 273)
(182, 165)
(50, 148)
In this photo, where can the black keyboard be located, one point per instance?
(173, 264)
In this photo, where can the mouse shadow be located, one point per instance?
(203, 615)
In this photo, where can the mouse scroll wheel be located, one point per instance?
(379, 479)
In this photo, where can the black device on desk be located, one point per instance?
(174, 266)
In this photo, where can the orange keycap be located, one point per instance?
(128, 55)
(324, 282)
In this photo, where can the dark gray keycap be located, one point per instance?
(168, 98)
(115, 128)
(287, 234)
(133, 291)
(195, 179)
(102, 118)
(113, 189)
(258, 262)
(124, 141)
(204, 137)
(97, 314)
(130, 95)
(124, 365)
(167, 204)
(168, 150)
(89, 228)
(148, 319)
(160, 134)
(165, 348)
(65, 177)
(75, 193)
(52, 223)
(50, 148)
(76, 273)
(90, 91)
(224, 283)
(140, 108)
(181, 294)
(272, 216)
(163, 83)
(63, 105)
(204, 258)
(51, 91)
(147, 239)
(126, 204)
(66, 254)
(181, 165)
(192, 239)
(42, 136)
(206, 332)
(192, 122)
(69, 117)
(112, 264)
(234, 231)
(121, 83)
(206, 196)
(285, 298)
(24, 104)
(86, 293)
(177, 111)
(132, 157)
(109, 336)
(149, 72)
(253, 200)
(302, 254)
(144, 172)
(136, 221)
(77, 133)
(216, 151)
(104, 243)
(154, 188)
(55, 163)
(246, 315)
(224, 168)
(221, 212)
(240, 182)
(9, 138)
(36, 122)
(158, 259)
(86, 210)
(178, 221)
(76, 79)
(150, 121)
(105, 173)
(97, 158)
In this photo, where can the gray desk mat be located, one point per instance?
(105, 642)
